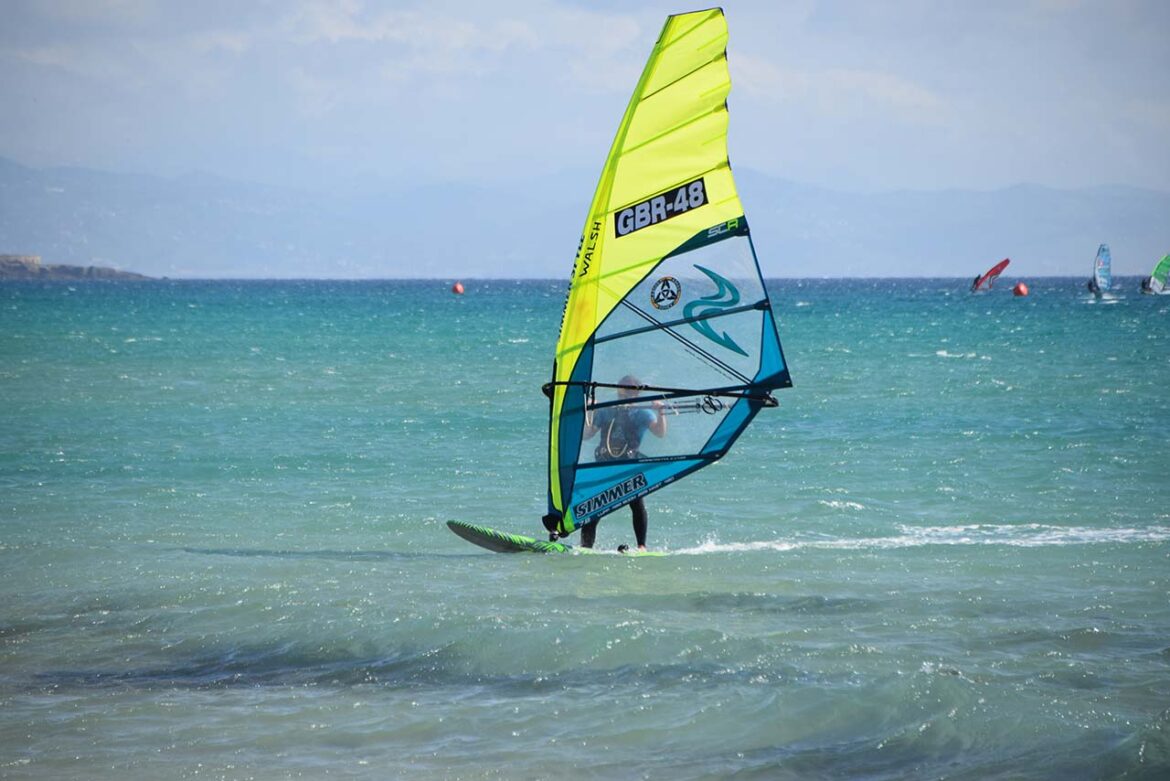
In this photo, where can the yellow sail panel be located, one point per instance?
(675, 126)
(686, 153)
(665, 181)
(703, 92)
(687, 41)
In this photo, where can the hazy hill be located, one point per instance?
(199, 226)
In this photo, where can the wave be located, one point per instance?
(1033, 535)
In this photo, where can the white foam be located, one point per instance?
(1033, 535)
(710, 546)
(837, 504)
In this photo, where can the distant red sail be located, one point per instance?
(988, 279)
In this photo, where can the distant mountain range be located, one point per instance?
(207, 227)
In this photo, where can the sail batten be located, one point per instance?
(668, 344)
(658, 91)
(670, 324)
(690, 346)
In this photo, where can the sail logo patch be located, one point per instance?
(719, 230)
(610, 496)
(660, 208)
(726, 296)
(665, 293)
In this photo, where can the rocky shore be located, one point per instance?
(30, 267)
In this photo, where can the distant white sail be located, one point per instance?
(1102, 271)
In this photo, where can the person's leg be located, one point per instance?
(588, 533)
(640, 521)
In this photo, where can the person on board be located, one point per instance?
(622, 429)
(975, 284)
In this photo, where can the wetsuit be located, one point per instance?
(621, 435)
(589, 533)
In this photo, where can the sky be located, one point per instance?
(851, 95)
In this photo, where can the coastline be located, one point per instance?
(31, 267)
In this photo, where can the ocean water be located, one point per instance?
(223, 550)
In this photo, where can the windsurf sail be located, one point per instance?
(1102, 270)
(668, 345)
(1156, 283)
(988, 279)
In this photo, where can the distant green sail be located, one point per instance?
(1156, 283)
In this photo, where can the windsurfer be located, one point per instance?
(622, 429)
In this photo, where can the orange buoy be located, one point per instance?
(457, 288)
(1020, 289)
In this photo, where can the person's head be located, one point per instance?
(631, 389)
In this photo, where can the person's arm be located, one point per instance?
(658, 426)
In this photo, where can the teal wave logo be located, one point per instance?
(725, 297)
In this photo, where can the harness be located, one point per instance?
(619, 439)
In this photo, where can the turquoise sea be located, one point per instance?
(224, 555)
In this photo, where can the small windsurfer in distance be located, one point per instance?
(975, 284)
(622, 429)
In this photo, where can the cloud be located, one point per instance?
(48, 56)
(841, 93)
(102, 14)
(438, 34)
(595, 51)
(230, 41)
(916, 93)
(599, 63)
